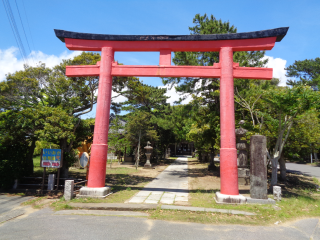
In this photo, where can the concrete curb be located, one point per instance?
(102, 213)
(199, 209)
(113, 206)
(137, 207)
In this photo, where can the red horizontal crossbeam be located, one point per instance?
(254, 44)
(170, 71)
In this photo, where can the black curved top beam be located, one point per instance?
(276, 32)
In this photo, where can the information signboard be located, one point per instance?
(51, 158)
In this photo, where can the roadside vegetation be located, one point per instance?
(300, 199)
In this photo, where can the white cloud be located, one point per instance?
(174, 96)
(118, 99)
(278, 66)
(9, 62)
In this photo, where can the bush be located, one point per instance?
(12, 163)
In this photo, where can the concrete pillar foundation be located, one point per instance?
(230, 199)
(86, 192)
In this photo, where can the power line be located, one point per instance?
(5, 7)
(15, 30)
(25, 12)
(23, 29)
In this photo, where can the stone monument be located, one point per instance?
(258, 167)
(148, 155)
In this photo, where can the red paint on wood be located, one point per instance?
(228, 151)
(170, 71)
(174, 46)
(99, 148)
(165, 57)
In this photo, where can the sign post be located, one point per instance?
(51, 158)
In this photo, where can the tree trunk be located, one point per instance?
(211, 165)
(64, 171)
(138, 158)
(316, 157)
(283, 169)
(29, 163)
(274, 177)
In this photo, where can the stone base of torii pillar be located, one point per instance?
(101, 192)
(223, 198)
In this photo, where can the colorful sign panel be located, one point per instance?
(51, 158)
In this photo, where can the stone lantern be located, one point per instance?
(148, 154)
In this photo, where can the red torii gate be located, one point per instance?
(226, 70)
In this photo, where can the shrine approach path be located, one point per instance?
(169, 187)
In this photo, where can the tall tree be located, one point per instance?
(207, 91)
(116, 137)
(281, 107)
(149, 103)
(305, 72)
(42, 88)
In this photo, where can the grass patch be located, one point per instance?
(118, 197)
(33, 201)
(60, 205)
(300, 199)
(290, 208)
(125, 182)
(201, 217)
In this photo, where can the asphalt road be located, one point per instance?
(299, 168)
(44, 224)
(8, 203)
(304, 169)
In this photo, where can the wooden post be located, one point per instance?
(61, 163)
(43, 177)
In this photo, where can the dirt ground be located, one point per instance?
(202, 179)
(150, 173)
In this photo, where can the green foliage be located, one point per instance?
(205, 130)
(138, 122)
(116, 140)
(45, 105)
(144, 97)
(305, 136)
(305, 72)
(13, 164)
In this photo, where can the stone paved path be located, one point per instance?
(170, 186)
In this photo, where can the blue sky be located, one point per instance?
(155, 17)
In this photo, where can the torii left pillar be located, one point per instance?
(99, 149)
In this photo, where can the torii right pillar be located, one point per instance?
(228, 152)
